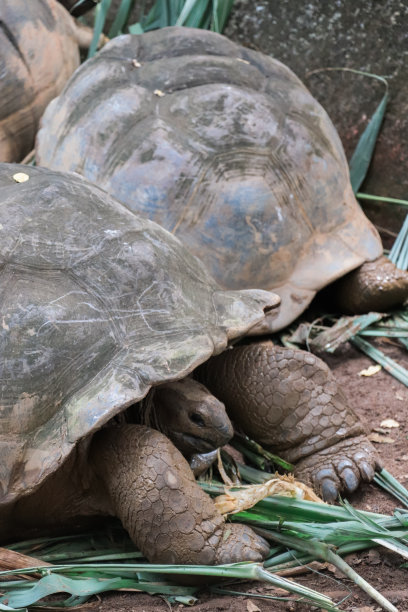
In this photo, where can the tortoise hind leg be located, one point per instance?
(376, 285)
(289, 401)
(167, 514)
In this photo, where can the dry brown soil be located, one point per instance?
(374, 398)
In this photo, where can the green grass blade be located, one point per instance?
(390, 484)
(250, 448)
(157, 17)
(359, 580)
(101, 12)
(121, 18)
(188, 7)
(325, 553)
(362, 155)
(399, 252)
(195, 14)
(75, 579)
(366, 196)
(221, 10)
(136, 28)
(202, 14)
(344, 329)
(361, 158)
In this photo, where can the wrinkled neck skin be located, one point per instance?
(189, 415)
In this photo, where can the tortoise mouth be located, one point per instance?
(194, 444)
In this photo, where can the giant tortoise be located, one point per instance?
(228, 150)
(101, 308)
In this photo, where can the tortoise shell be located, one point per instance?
(224, 147)
(38, 52)
(97, 305)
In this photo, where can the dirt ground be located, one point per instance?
(374, 399)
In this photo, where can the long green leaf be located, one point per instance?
(367, 196)
(363, 153)
(100, 18)
(195, 14)
(221, 10)
(189, 5)
(74, 579)
(399, 252)
(121, 18)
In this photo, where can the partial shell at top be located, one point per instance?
(97, 305)
(38, 53)
(225, 148)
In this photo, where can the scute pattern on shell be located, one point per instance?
(236, 158)
(97, 305)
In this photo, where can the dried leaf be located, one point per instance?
(374, 557)
(344, 329)
(20, 177)
(370, 371)
(399, 396)
(389, 423)
(247, 496)
(378, 438)
(381, 430)
(251, 607)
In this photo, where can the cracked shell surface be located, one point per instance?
(237, 159)
(97, 305)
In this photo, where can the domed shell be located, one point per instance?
(225, 148)
(38, 53)
(97, 305)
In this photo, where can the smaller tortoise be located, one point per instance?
(98, 307)
(226, 148)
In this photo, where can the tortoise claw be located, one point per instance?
(367, 471)
(349, 479)
(341, 467)
(329, 490)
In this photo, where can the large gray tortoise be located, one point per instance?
(227, 149)
(98, 307)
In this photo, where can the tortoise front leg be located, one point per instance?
(168, 516)
(376, 285)
(288, 400)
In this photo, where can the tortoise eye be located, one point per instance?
(197, 419)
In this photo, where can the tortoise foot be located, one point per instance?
(240, 543)
(376, 285)
(339, 468)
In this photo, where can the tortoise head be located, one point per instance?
(194, 420)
